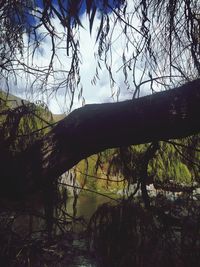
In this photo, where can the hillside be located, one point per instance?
(14, 101)
(58, 117)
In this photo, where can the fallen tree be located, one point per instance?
(93, 128)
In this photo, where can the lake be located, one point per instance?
(87, 204)
(30, 226)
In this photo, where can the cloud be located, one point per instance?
(98, 91)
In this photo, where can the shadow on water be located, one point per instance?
(25, 238)
(87, 204)
(97, 232)
(127, 234)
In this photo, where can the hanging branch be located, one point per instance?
(149, 154)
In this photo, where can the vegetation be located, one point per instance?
(144, 62)
(106, 172)
(129, 235)
(143, 135)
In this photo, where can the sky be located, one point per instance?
(101, 91)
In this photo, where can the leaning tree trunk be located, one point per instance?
(165, 115)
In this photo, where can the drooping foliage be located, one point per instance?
(159, 47)
(22, 123)
(159, 42)
(174, 161)
(178, 161)
(129, 235)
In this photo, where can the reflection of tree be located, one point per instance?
(128, 235)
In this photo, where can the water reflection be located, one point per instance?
(24, 227)
(87, 204)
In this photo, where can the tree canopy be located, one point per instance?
(159, 46)
(159, 49)
(154, 46)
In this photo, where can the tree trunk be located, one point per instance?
(93, 128)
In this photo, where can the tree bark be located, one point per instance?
(93, 128)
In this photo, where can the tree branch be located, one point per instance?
(93, 128)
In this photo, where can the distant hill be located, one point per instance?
(58, 117)
(15, 101)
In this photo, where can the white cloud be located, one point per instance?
(102, 91)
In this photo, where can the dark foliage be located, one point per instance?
(129, 235)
